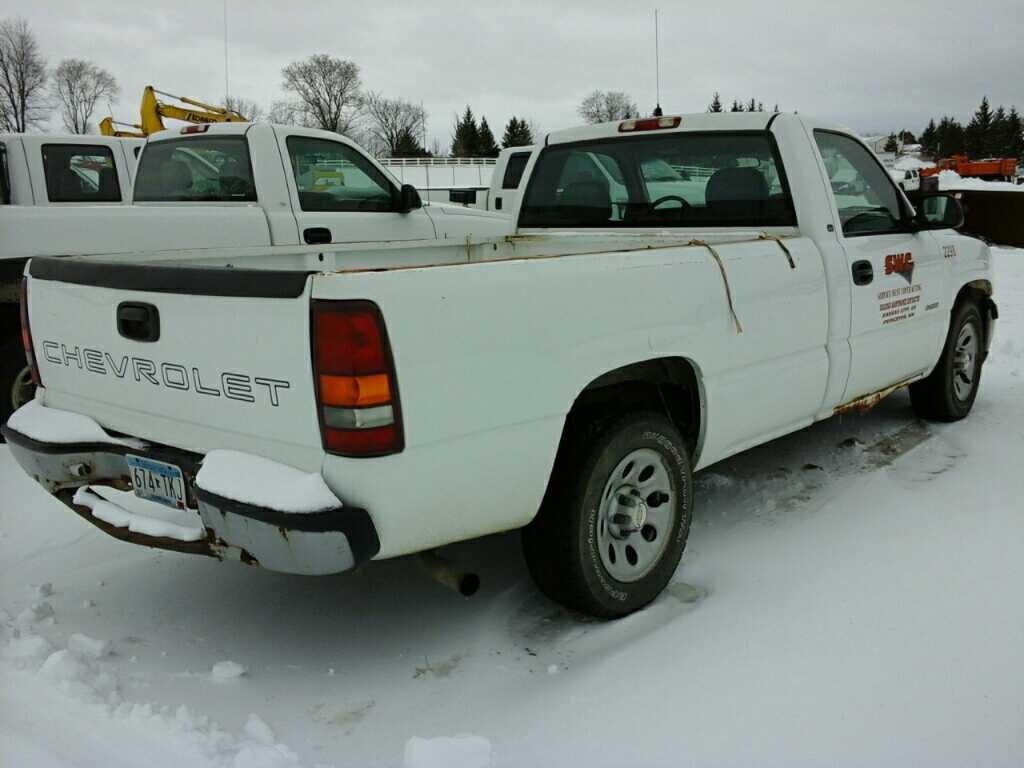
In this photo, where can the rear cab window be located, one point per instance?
(864, 192)
(725, 179)
(514, 170)
(331, 176)
(196, 169)
(80, 173)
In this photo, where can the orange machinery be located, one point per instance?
(990, 168)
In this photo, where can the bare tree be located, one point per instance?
(22, 77)
(604, 106)
(328, 91)
(78, 85)
(393, 121)
(247, 108)
(285, 113)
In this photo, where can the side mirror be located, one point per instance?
(408, 199)
(939, 210)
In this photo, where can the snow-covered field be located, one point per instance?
(851, 595)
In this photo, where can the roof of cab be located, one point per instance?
(701, 121)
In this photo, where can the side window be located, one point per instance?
(76, 173)
(514, 170)
(865, 194)
(331, 176)
(5, 177)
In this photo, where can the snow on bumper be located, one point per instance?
(248, 508)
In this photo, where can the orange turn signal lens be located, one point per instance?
(357, 391)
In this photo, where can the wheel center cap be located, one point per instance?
(629, 512)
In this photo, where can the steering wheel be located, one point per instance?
(666, 198)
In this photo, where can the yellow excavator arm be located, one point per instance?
(153, 111)
(108, 127)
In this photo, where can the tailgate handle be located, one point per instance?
(317, 235)
(138, 321)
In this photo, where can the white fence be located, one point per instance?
(444, 172)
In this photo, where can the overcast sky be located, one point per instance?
(874, 66)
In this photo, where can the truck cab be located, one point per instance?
(66, 170)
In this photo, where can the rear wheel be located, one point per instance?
(614, 523)
(949, 392)
(16, 387)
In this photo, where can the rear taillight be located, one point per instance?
(356, 388)
(26, 335)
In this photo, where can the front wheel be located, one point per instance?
(614, 523)
(949, 392)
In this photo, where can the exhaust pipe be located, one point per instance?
(448, 574)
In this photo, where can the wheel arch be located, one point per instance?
(979, 291)
(670, 385)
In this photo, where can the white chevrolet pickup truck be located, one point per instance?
(311, 410)
(226, 186)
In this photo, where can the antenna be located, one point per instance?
(657, 68)
(227, 93)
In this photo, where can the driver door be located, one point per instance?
(339, 196)
(897, 319)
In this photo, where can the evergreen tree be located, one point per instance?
(407, 145)
(517, 134)
(485, 140)
(1015, 132)
(950, 138)
(891, 145)
(760, 106)
(466, 139)
(928, 139)
(978, 134)
(736, 106)
(775, 108)
(752, 105)
(907, 137)
(999, 141)
(716, 104)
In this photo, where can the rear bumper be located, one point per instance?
(311, 543)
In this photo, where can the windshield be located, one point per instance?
(682, 180)
(205, 168)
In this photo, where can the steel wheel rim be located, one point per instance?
(636, 516)
(965, 362)
(22, 390)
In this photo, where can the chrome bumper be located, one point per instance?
(309, 543)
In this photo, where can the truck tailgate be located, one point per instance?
(194, 357)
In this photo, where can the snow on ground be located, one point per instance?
(910, 163)
(951, 180)
(850, 596)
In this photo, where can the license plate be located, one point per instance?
(157, 481)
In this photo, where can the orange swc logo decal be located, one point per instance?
(902, 263)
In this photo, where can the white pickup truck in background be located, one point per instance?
(228, 186)
(313, 408)
(48, 174)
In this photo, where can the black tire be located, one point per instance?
(12, 363)
(561, 544)
(937, 397)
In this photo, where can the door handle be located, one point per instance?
(863, 272)
(317, 235)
